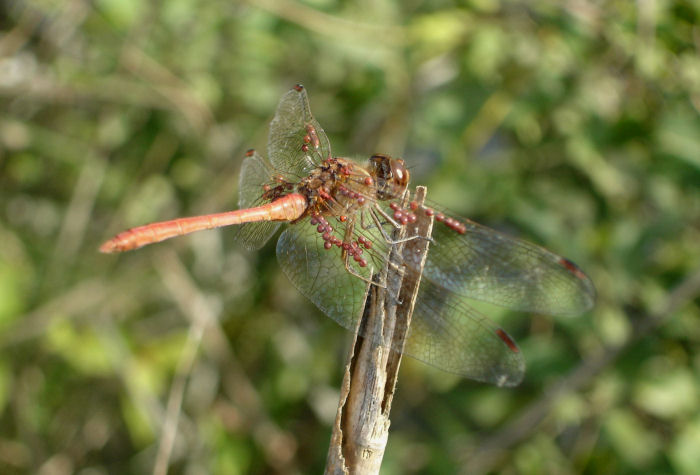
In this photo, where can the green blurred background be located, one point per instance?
(573, 124)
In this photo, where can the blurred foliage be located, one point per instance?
(573, 124)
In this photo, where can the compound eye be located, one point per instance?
(399, 172)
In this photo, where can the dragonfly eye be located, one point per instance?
(399, 173)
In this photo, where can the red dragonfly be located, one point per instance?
(342, 215)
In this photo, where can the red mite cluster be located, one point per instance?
(351, 194)
(404, 216)
(451, 223)
(311, 137)
(339, 181)
(353, 248)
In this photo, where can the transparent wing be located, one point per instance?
(289, 152)
(445, 332)
(320, 274)
(255, 174)
(486, 265)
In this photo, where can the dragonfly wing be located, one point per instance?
(449, 334)
(445, 331)
(486, 265)
(255, 173)
(320, 274)
(289, 152)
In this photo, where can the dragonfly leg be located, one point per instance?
(364, 225)
(389, 219)
(349, 250)
(346, 260)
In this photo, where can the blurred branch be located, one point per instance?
(18, 36)
(112, 90)
(482, 128)
(486, 455)
(55, 26)
(59, 29)
(361, 428)
(330, 25)
(171, 93)
(193, 304)
(83, 298)
(168, 85)
(278, 446)
(77, 215)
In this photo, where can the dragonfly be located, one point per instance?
(342, 215)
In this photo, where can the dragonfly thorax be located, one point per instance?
(339, 187)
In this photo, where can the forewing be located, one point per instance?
(255, 173)
(486, 265)
(289, 153)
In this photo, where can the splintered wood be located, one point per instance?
(361, 428)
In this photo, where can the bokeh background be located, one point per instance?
(574, 124)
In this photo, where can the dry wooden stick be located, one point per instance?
(361, 427)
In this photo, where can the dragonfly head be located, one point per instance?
(390, 174)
